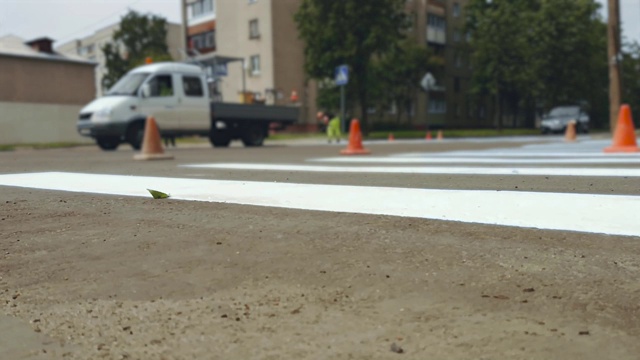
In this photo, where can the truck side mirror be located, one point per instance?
(146, 91)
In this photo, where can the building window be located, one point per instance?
(85, 50)
(393, 109)
(456, 84)
(161, 86)
(457, 36)
(436, 22)
(192, 86)
(437, 106)
(202, 8)
(204, 41)
(458, 61)
(456, 10)
(255, 65)
(254, 29)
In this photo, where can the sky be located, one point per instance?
(65, 20)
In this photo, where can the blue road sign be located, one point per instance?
(342, 75)
(221, 70)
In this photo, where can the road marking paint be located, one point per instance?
(606, 214)
(605, 172)
(521, 154)
(475, 160)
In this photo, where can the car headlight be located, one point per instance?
(102, 115)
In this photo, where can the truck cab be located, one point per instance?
(176, 94)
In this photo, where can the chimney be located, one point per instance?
(43, 45)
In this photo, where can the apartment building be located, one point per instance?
(89, 48)
(262, 35)
(257, 41)
(200, 19)
(440, 25)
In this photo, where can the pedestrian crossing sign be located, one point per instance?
(342, 75)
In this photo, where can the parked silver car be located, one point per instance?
(558, 118)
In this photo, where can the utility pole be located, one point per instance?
(185, 28)
(615, 85)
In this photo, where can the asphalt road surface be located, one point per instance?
(473, 249)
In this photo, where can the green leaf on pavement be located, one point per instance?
(158, 194)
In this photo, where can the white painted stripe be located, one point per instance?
(606, 172)
(475, 160)
(521, 154)
(607, 214)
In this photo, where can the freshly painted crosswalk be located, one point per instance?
(428, 170)
(606, 214)
(479, 160)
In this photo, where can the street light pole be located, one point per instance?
(615, 87)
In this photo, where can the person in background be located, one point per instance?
(333, 128)
(323, 121)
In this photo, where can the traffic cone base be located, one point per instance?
(624, 138)
(151, 143)
(355, 152)
(355, 141)
(570, 133)
(622, 149)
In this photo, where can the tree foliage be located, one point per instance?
(138, 37)
(353, 32)
(538, 53)
(398, 74)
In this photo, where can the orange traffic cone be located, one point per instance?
(624, 138)
(570, 133)
(355, 141)
(151, 144)
(428, 137)
(391, 137)
(440, 136)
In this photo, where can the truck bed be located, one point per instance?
(285, 115)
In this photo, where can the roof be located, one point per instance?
(41, 39)
(11, 45)
(169, 67)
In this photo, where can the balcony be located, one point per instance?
(436, 35)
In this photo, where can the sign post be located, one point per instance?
(342, 79)
(427, 83)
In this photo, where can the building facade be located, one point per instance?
(90, 48)
(257, 40)
(33, 108)
(263, 34)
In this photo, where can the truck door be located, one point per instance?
(194, 103)
(162, 101)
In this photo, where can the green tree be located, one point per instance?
(571, 50)
(353, 32)
(538, 54)
(139, 36)
(398, 74)
(501, 38)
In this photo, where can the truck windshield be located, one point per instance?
(128, 85)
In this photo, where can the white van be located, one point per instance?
(177, 95)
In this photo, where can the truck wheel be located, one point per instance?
(108, 143)
(254, 136)
(135, 135)
(220, 138)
